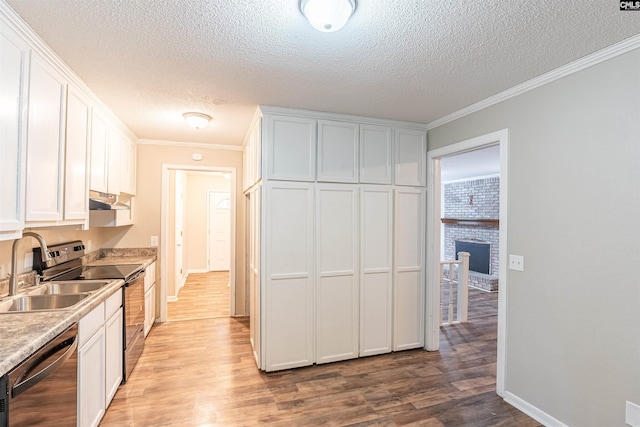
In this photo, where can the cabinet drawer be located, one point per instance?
(90, 323)
(113, 303)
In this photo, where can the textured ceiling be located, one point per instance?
(152, 60)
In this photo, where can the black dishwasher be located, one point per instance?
(43, 389)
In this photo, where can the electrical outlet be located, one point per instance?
(632, 416)
(28, 260)
(88, 245)
(516, 262)
(2, 272)
(154, 241)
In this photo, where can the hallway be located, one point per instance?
(204, 296)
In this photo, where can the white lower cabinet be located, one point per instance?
(113, 350)
(99, 359)
(149, 298)
(289, 282)
(376, 270)
(337, 298)
(409, 273)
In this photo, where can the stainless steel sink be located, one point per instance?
(27, 303)
(71, 287)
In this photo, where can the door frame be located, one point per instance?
(209, 228)
(164, 229)
(432, 330)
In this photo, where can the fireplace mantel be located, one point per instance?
(479, 221)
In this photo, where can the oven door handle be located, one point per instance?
(24, 385)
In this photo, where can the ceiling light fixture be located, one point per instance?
(327, 15)
(197, 120)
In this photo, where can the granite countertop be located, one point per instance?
(21, 334)
(24, 333)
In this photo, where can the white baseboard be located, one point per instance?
(197, 270)
(534, 412)
(172, 299)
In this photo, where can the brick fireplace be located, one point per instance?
(470, 214)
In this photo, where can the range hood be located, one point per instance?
(105, 202)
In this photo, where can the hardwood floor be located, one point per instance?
(202, 373)
(204, 295)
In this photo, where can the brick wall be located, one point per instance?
(476, 199)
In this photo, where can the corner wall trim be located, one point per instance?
(533, 411)
(597, 57)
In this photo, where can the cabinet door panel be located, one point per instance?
(410, 157)
(291, 148)
(45, 142)
(289, 335)
(376, 274)
(337, 151)
(113, 355)
(91, 390)
(98, 181)
(76, 195)
(114, 145)
(375, 154)
(337, 292)
(409, 277)
(14, 54)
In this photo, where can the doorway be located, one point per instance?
(435, 235)
(196, 241)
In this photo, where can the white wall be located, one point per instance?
(573, 348)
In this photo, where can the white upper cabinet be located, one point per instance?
(337, 151)
(127, 166)
(252, 155)
(291, 148)
(410, 157)
(13, 89)
(45, 142)
(98, 181)
(375, 154)
(114, 145)
(106, 161)
(76, 193)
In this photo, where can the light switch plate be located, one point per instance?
(632, 417)
(154, 241)
(516, 262)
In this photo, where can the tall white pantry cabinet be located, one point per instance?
(335, 236)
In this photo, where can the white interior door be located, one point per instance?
(219, 231)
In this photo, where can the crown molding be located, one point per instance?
(597, 57)
(293, 112)
(189, 144)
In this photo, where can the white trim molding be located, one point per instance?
(597, 57)
(533, 411)
(432, 330)
(189, 144)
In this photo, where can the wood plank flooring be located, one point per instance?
(202, 373)
(204, 295)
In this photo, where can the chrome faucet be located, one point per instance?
(13, 281)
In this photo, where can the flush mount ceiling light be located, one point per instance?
(327, 15)
(197, 120)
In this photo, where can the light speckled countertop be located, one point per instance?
(21, 334)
